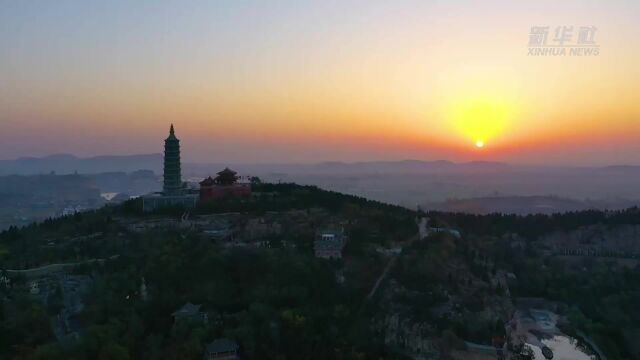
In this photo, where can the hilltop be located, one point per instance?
(107, 283)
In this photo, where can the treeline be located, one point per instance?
(273, 197)
(69, 238)
(533, 226)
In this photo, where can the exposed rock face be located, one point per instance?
(408, 336)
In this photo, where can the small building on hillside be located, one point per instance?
(221, 349)
(226, 184)
(190, 313)
(329, 243)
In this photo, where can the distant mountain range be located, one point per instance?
(478, 186)
(406, 166)
(68, 164)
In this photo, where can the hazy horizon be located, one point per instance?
(328, 161)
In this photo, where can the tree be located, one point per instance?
(114, 351)
(153, 347)
(255, 180)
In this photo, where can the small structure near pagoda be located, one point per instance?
(226, 185)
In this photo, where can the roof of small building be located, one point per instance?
(207, 182)
(187, 309)
(227, 171)
(332, 227)
(222, 345)
(333, 231)
(226, 177)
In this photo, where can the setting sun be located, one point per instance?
(482, 118)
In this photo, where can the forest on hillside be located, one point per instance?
(279, 301)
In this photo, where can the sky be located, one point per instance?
(308, 81)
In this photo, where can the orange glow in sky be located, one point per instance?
(311, 81)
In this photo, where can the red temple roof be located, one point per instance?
(227, 172)
(207, 182)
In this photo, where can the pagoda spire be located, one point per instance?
(172, 134)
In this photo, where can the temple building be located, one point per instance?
(226, 184)
(174, 192)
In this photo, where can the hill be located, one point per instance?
(107, 283)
